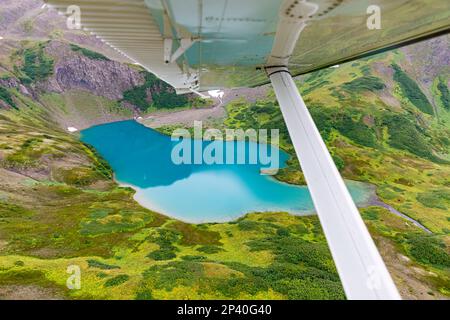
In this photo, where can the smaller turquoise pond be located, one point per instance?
(141, 158)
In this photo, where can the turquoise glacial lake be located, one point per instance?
(141, 159)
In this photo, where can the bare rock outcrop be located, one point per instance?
(102, 77)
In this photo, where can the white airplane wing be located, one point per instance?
(199, 45)
(226, 43)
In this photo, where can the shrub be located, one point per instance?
(356, 130)
(193, 258)
(282, 232)
(119, 221)
(144, 293)
(429, 250)
(36, 65)
(434, 199)
(100, 265)
(100, 164)
(175, 273)
(369, 83)
(404, 135)
(6, 97)
(348, 122)
(210, 249)
(370, 214)
(78, 176)
(165, 239)
(88, 53)
(444, 93)
(194, 235)
(162, 94)
(166, 253)
(248, 225)
(117, 280)
(338, 161)
(411, 90)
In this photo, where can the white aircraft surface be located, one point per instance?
(205, 45)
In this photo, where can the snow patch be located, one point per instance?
(216, 93)
(72, 129)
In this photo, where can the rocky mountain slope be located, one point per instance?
(42, 59)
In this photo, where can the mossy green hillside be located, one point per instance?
(400, 149)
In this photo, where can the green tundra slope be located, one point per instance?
(59, 207)
(381, 129)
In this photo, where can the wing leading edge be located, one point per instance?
(226, 43)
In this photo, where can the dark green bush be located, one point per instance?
(248, 225)
(166, 253)
(100, 164)
(445, 94)
(193, 258)
(100, 265)
(411, 90)
(88, 53)
(144, 293)
(162, 94)
(339, 162)
(434, 199)
(7, 97)
(404, 135)
(36, 64)
(165, 239)
(175, 273)
(283, 232)
(117, 280)
(210, 249)
(348, 122)
(429, 250)
(369, 83)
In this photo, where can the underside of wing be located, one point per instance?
(213, 44)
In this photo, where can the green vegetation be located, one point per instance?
(49, 178)
(27, 156)
(100, 265)
(88, 53)
(164, 238)
(429, 250)
(412, 91)
(369, 83)
(405, 135)
(37, 66)
(209, 249)
(444, 93)
(137, 254)
(76, 176)
(401, 152)
(5, 96)
(106, 219)
(100, 165)
(426, 251)
(162, 96)
(117, 280)
(435, 198)
(348, 122)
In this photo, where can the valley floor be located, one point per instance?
(61, 211)
(59, 208)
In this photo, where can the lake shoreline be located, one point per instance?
(373, 200)
(148, 204)
(217, 193)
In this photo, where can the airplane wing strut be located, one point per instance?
(360, 267)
